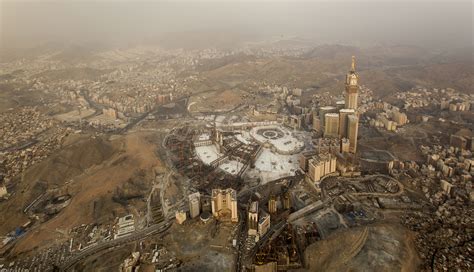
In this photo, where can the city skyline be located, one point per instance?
(241, 136)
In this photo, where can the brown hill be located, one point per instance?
(294, 72)
(127, 173)
(51, 173)
(385, 248)
(384, 69)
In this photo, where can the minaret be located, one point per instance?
(351, 87)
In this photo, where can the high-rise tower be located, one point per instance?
(352, 132)
(331, 127)
(343, 121)
(194, 204)
(352, 88)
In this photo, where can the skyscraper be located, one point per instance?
(224, 204)
(322, 114)
(253, 218)
(351, 87)
(345, 145)
(321, 165)
(331, 128)
(194, 204)
(343, 113)
(272, 205)
(316, 122)
(352, 131)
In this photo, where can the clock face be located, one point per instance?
(353, 81)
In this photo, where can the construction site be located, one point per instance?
(225, 157)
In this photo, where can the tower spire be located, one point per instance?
(353, 64)
(351, 87)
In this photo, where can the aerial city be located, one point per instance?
(236, 136)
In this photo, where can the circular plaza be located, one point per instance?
(278, 138)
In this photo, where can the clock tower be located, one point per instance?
(352, 87)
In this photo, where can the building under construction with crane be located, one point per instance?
(224, 156)
(210, 156)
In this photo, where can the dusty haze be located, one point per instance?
(446, 24)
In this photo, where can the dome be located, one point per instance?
(205, 216)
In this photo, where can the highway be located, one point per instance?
(137, 235)
(138, 119)
(240, 240)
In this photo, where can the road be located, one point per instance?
(240, 240)
(401, 188)
(136, 121)
(97, 107)
(149, 217)
(144, 115)
(137, 235)
(22, 145)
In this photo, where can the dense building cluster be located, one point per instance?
(28, 137)
(16, 161)
(454, 169)
(445, 236)
(444, 240)
(390, 118)
(444, 99)
(19, 127)
(260, 181)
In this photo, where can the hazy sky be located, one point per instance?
(421, 22)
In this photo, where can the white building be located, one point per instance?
(194, 204)
(125, 226)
